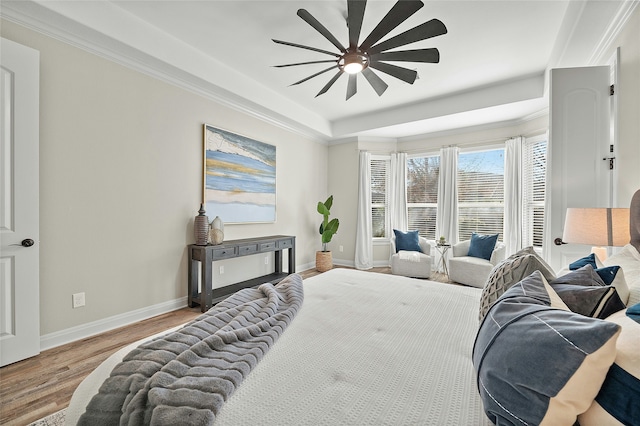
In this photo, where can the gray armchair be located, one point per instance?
(412, 264)
(469, 270)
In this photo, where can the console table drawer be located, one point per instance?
(282, 244)
(248, 249)
(223, 253)
(270, 246)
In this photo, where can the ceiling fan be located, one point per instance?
(367, 55)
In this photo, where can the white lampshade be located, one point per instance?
(597, 226)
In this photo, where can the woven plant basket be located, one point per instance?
(324, 261)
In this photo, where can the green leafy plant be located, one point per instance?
(328, 227)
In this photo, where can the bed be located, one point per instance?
(365, 348)
(369, 348)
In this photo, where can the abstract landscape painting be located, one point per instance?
(239, 177)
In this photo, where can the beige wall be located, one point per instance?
(120, 184)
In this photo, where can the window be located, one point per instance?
(480, 193)
(379, 184)
(422, 194)
(534, 168)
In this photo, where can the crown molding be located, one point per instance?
(36, 17)
(601, 52)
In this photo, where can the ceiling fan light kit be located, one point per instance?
(366, 56)
(353, 62)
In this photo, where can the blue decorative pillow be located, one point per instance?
(535, 362)
(482, 245)
(408, 241)
(587, 260)
(608, 273)
(633, 312)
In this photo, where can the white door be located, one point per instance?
(19, 145)
(578, 142)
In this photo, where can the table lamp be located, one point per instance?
(600, 227)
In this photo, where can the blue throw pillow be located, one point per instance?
(587, 260)
(608, 273)
(482, 245)
(408, 241)
(633, 312)
(521, 382)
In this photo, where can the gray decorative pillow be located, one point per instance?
(509, 272)
(584, 292)
(586, 276)
(590, 300)
(537, 364)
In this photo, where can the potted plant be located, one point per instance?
(328, 228)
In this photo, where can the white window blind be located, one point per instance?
(481, 193)
(379, 185)
(422, 194)
(534, 167)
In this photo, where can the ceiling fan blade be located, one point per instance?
(376, 82)
(309, 19)
(286, 43)
(355, 15)
(401, 73)
(419, 55)
(330, 83)
(397, 15)
(305, 63)
(314, 75)
(352, 85)
(432, 28)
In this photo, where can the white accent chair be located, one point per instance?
(469, 270)
(412, 263)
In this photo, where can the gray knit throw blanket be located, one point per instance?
(186, 376)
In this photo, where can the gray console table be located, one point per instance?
(206, 255)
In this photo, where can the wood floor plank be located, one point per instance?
(44, 384)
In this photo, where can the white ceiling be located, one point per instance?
(492, 60)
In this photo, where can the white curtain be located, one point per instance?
(548, 236)
(447, 213)
(364, 234)
(512, 231)
(398, 192)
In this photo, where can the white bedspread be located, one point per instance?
(365, 348)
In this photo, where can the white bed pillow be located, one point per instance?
(629, 260)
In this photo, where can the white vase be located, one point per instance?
(217, 224)
(216, 233)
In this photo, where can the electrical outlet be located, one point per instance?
(78, 300)
(341, 249)
(221, 270)
(266, 260)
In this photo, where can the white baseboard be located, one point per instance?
(83, 331)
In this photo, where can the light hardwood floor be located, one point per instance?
(42, 385)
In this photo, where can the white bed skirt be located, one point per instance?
(365, 348)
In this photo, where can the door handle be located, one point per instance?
(28, 242)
